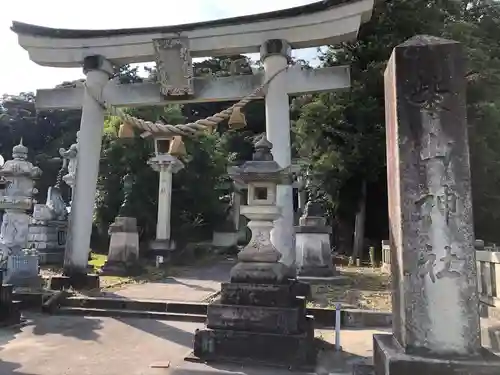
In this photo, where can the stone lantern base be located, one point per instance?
(9, 309)
(261, 316)
(123, 253)
(264, 323)
(313, 253)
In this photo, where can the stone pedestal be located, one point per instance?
(313, 252)
(49, 238)
(435, 301)
(9, 309)
(261, 316)
(123, 253)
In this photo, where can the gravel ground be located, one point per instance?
(367, 289)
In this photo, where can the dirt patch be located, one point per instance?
(366, 288)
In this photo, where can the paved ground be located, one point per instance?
(71, 345)
(192, 285)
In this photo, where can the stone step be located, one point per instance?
(197, 308)
(284, 295)
(289, 350)
(281, 320)
(130, 314)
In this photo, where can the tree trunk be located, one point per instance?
(359, 225)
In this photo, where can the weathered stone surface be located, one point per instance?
(390, 359)
(283, 320)
(314, 256)
(290, 350)
(435, 295)
(257, 295)
(76, 280)
(259, 273)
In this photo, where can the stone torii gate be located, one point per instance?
(272, 34)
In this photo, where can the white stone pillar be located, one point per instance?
(166, 165)
(274, 55)
(98, 71)
(164, 203)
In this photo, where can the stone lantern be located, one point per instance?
(261, 314)
(259, 260)
(166, 162)
(16, 198)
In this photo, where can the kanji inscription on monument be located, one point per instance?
(429, 199)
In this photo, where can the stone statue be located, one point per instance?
(128, 182)
(71, 157)
(56, 204)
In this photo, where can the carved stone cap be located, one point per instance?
(275, 47)
(262, 167)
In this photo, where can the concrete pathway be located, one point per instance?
(191, 285)
(73, 345)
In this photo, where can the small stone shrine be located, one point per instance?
(312, 242)
(123, 253)
(16, 199)
(436, 326)
(261, 316)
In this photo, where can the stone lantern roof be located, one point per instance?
(262, 167)
(19, 166)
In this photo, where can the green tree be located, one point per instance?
(343, 134)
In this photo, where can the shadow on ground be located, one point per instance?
(162, 330)
(10, 368)
(82, 329)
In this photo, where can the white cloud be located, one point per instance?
(18, 73)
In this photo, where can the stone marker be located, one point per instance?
(435, 302)
(312, 243)
(123, 255)
(261, 315)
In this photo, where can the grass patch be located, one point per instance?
(97, 261)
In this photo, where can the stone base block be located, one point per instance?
(281, 320)
(10, 314)
(278, 295)
(225, 239)
(162, 246)
(111, 268)
(389, 359)
(48, 256)
(9, 309)
(260, 273)
(76, 281)
(317, 271)
(330, 280)
(124, 247)
(272, 349)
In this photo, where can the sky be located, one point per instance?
(19, 74)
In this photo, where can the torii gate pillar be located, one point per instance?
(275, 54)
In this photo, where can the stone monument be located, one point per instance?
(261, 315)
(312, 242)
(16, 198)
(436, 328)
(123, 253)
